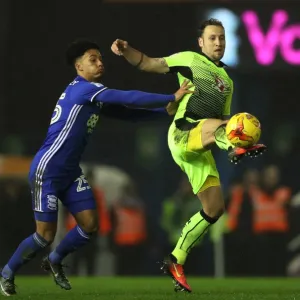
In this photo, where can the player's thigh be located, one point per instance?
(45, 207)
(209, 127)
(80, 202)
(211, 197)
(200, 169)
(195, 140)
(185, 143)
(198, 164)
(202, 136)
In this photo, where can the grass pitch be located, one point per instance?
(160, 288)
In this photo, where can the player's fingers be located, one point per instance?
(117, 47)
(121, 44)
(114, 48)
(116, 51)
(115, 43)
(184, 83)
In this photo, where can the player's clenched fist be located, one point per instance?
(119, 46)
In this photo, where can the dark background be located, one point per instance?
(35, 34)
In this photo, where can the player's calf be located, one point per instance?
(221, 139)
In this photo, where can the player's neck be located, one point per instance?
(217, 62)
(89, 78)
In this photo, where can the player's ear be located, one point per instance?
(78, 66)
(200, 42)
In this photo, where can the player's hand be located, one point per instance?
(119, 46)
(184, 89)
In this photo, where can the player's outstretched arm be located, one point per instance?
(142, 99)
(138, 58)
(125, 113)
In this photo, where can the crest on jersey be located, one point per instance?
(220, 84)
(52, 202)
(92, 122)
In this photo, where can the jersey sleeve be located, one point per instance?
(134, 98)
(227, 106)
(180, 59)
(125, 113)
(87, 91)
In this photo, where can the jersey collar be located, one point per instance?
(221, 64)
(79, 78)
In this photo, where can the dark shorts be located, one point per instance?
(75, 195)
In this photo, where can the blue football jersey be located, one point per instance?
(74, 119)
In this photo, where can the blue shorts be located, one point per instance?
(75, 195)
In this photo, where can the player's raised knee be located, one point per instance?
(90, 227)
(88, 221)
(214, 212)
(48, 234)
(219, 211)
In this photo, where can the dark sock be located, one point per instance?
(26, 251)
(74, 239)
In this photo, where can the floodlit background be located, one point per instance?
(131, 160)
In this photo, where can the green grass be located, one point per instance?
(160, 288)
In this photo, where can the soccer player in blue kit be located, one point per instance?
(55, 173)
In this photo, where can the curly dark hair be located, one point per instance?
(77, 49)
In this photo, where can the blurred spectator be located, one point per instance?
(111, 179)
(129, 232)
(87, 256)
(240, 242)
(258, 219)
(271, 223)
(240, 203)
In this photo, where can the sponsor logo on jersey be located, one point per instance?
(92, 122)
